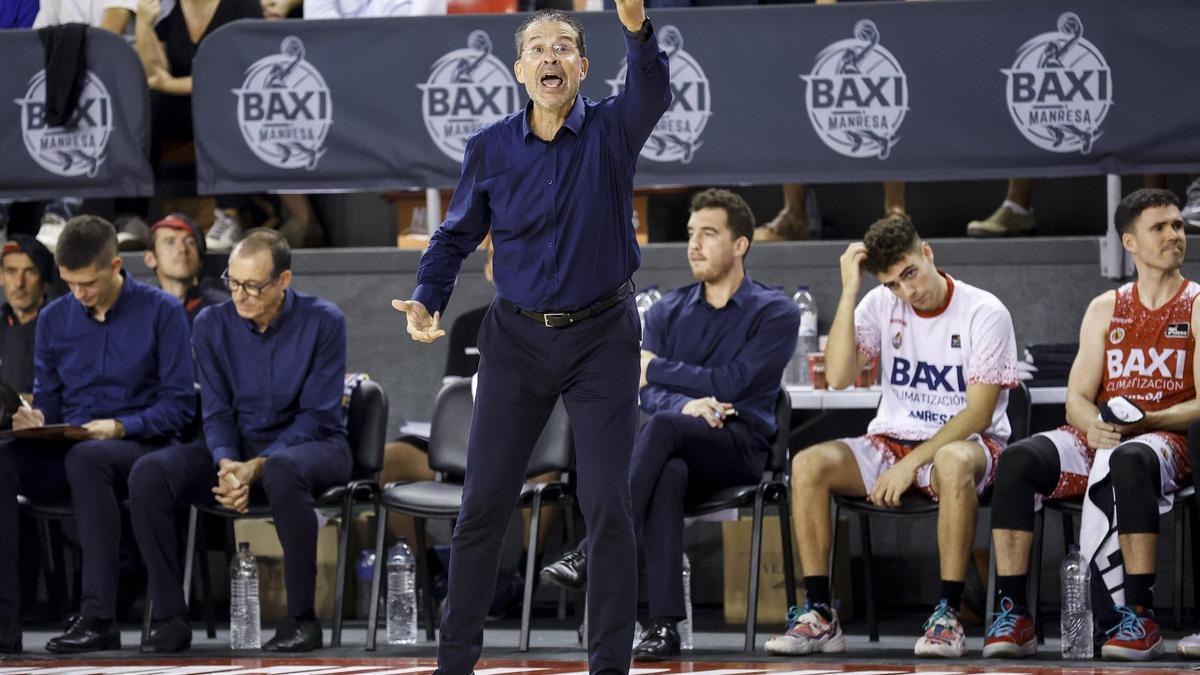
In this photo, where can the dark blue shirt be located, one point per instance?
(735, 354)
(560, 212)
(261, 392)
(135, 367)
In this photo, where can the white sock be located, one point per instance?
(1015, 207)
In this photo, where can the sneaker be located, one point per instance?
(1012, 634)
(944, 634)
(1191, 210)
(1003, 223)
(224, 233)
(1135, 638)
(52, 227)
(809, 632)
(1189, 646)
(786, 226)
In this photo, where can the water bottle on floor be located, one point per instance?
(401, 595)
(1076, 606)
(366, 569)
(685, 626)
(244, 626)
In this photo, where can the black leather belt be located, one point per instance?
(565, 319)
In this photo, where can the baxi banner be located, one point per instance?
(101, 150)
(847, 93)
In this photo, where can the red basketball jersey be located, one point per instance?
(1148, 354)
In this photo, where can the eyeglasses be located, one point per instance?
(251, 289)
(560, 49)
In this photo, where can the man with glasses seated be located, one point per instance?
(271, 365)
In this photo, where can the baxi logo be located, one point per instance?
(857, 95)
(467, 90)
(676, 137)
(78, 148)
(1060, 89)
(284, 108)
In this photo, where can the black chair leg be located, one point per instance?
(1180, 516)
(755, 559)
(835, 524)
(1035, 570)
(535, 516)
(381, 515)
(425, 577)
(789, 569)
(63, 582)
(864, 528)
(206, 600)
(339, 593)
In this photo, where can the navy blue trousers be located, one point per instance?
(163, 482)
(93, 475)
(523, 368)
(677, 455)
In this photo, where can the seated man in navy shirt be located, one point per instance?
(708, 350)
(112, 357)
(271, 365)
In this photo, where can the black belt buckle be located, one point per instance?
(557, 319)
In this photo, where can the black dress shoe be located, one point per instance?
(168, 637)
(10, 636)
(659, 642)
(87, 634)
(569, 572)
(295, 635)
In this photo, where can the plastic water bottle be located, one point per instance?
(244, 625)
(685, 626)
(1076, 606)
(401, 596)
(644, 299)
(796, 373)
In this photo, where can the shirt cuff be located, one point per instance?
(134, 425)
(427, 295)
(219, 454)
(640, 48)
(652, 371)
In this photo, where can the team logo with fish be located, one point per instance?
(467, 90)
(77, 148)
(857, 95)
(285, 109)
(1059, 89)
(676, 137)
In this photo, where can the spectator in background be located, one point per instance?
(283, 9)
(131, 392)
(18, 13)
(176, 255)
(346, 9)
(792, 222)
(28, 274)
(271, 364)
(166, 46)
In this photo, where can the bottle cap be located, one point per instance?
(244, 546)
(1073, 548)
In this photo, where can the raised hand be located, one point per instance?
(421, 326)
(632, 13)
(851, 263)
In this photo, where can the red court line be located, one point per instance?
(400, 666)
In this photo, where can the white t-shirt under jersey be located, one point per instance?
(928, 359)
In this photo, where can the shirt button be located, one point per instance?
(550, 182)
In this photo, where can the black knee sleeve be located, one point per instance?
(1025, 469)
(1134, 472)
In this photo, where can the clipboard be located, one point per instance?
(48, 432)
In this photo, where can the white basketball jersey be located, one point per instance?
(927, 359)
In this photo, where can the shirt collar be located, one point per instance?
(289, 299)
(126, 290)
(574, 120)
(738, 298)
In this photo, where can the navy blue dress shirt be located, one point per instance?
(736, 354)
(135, 367)
(560, 212)
(261, 392)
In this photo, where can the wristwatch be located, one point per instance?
(642, 34)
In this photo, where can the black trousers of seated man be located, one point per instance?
(91, 474)
(675, 456)
(162, 483)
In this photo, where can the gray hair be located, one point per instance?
(551, 15)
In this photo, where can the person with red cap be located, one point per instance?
(28, 274)
(176, 255)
